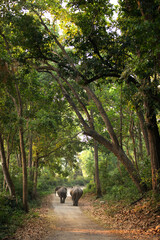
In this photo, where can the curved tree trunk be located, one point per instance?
(122, 157)
(113, 146)
(5, 169)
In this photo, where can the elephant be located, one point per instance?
(62, 193)
(76, 194)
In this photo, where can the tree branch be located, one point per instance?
(110, 74)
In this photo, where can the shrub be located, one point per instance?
(90, 187)
(11, 215)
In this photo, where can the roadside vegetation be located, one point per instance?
(12, 215)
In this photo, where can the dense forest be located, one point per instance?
(80, 98)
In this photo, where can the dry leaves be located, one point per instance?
(39, 226)
(139, 221)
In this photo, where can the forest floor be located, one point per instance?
(140, 221)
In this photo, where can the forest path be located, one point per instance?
(73, 224)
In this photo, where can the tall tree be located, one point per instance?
(79, 75)
(97, 52)
(19, 107)
(140, 28)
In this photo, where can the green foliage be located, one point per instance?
(47, 182)
(90, 187)
(78, 181)
(11, 215)
(99, 53)
(145, 171)
(116, 183)
(87, 163)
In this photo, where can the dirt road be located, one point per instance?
(73, 224)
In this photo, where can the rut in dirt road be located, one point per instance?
(72, 224)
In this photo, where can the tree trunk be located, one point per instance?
(121, 129)
(34, 193)
(30, 156)
(112, 146)
(5, 170)
(24, 170)
(122, 157)
(7, 160)
(97, 179)
(19, 159)
(144, 130)
(98, 186)
(140, 156)
(121, 119)
(154, 145)
(132, 134)
(22, 148)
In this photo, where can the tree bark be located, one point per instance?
(144, 129)
(97, 179)
(121, 119)
(154, 145)
(5, 170)
(30, 156)
(24, 170)
(132, 135)
(34, 193)
(19, 159)
(22, 148)
(140, 156)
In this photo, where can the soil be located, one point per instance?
(56, 221)
(72, 223)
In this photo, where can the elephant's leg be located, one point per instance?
(75, 203)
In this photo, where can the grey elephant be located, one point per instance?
(62, 193)
(76, 194)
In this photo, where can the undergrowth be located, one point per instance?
(12, 214)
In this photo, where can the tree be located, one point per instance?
(139, 25)
(6, 173)
(78, 74)
(96, 53)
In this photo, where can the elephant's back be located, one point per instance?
(77, 192)
(62, 190)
